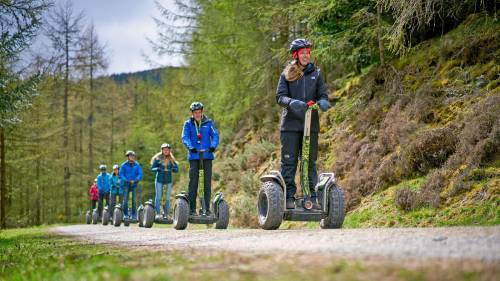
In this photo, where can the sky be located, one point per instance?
(123, 25)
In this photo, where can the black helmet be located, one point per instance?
(102, 167)
(130, 152)
(299, 44)
(196, 106)
(165, 145)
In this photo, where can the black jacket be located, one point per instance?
(310, 87)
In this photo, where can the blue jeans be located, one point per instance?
(159, 189)
(126, 189)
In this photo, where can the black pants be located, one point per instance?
(112, 200)
(291, 147)
(100, 207)
(194, 167)
(94, 203)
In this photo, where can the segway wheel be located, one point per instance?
(95, 217)
(181, 213)
(336, 212)
(105, 217)
(149, 216)
(223, 215)
(270, 205)
(117, 217)
(88, 217)
(126, 222)
(140, 217)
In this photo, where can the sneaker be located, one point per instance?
(192, 213)
(158, 217)
(208, 213)
(290, 203)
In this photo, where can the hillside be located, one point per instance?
(413, 143)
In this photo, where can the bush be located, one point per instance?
(405, 199)
(430, 149)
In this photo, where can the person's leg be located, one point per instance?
(313, 156)
(99, 206)
(112, 201)
(290, 149)
(193, 184)
(107, 199)
(125, 200)
(207, 164)
(94, 203)
(167, 199)
(134, 208)
(158, 189)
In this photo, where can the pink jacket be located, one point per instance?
(93, 192)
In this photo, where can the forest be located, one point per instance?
(413, 134)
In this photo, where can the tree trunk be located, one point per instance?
(91, 109)
(3, 189)
(38, 203)
(67, 174)
(379, 36)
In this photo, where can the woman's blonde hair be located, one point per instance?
(293, 71)
(159, 154)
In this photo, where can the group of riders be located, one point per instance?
(300, 84)
(198, 136)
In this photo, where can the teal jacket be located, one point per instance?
(116, 189)
(163, 174)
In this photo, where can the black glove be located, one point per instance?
(193, 150)
(212, 149)
(298, 106)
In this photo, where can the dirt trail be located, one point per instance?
(477, 244)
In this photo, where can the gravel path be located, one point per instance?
(477, 244)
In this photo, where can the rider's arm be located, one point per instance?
(173, 166)
(214, 136)
(121, 173)
(139, 173)
(186, 140)
(155, 166)
(282, 94)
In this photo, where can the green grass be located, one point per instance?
(35, 254)
(472, 208)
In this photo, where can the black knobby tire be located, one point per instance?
(181, 214)
(88, 217)
(336, 211)
(140, 217)
(149, 216)
(270, 205)
(95, 217)
(117, 217)
(223, 215)
(105, 217)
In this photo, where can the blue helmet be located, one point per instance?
(299, 44)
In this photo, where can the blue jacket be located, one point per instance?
(163, 174)
(209, 138)
(129, 172)
(115, 184)
(103, 183)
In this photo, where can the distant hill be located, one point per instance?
(153, 76)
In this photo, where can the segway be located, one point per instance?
(220, 215)
(106, 214)
(271, 202)
(140, 215)
(95, 216)
(117, 215)
(149, 217)
(88, 217)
